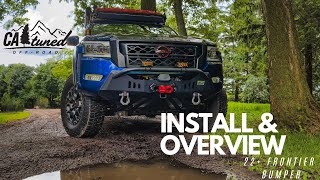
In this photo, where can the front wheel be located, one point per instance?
(218, 104)
(81, 116)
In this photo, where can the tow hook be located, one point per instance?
(125, 99)
(196, 100)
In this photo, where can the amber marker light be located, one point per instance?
(147, 63)
(182, 64)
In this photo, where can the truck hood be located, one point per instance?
(148, 38)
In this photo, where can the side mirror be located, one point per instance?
(73, 40)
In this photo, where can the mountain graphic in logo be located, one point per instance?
(18, 28)
(40, 29)
(37, 36)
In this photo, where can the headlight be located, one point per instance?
(96, 49)
(212, 53)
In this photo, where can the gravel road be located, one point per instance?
(39, 144)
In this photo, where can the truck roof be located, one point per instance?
(124, 16)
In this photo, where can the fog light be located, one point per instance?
(182, 64)
(147, 63)
(93, 77)
(200, 83)
(215, 79)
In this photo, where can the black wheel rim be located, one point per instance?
(74, 103)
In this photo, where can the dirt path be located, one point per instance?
(39, 144)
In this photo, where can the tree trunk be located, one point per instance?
(177, 5)
(51, 101)
(291, 102)
(236, 93)
(148, 5)
(308, 55)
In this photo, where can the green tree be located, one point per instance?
(16, 76)
(238, 29)
(181, 13)
(12, 90)
(9, 103)
(177, 5)
(255, 90)
(291, 101)
(46, 84)
(3, 84)
(28, 95)
(62, 69)
(16, 9)
(307, 13)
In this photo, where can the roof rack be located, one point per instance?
(122, 16)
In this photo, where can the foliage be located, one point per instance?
(15, 9)
(255, 90)
(14, 80)
(237, 28)
(63, 67)
(243, 43)
(148, 5)
(193, 11)
(13, 116)
(22, 86)
(46, 84)
(16, 76)
(3, 85)
(50, 77)
(11, 103)
(307, 13)
(42, 103)
(28, 95)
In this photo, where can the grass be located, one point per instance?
(13, 116)
(297, 144)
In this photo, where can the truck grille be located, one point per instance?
(138, 53)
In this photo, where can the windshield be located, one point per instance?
(132, 29)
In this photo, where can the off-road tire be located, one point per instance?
(223, 102)
(82, 119)
(218, 104)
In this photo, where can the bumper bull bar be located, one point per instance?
(121, 81)
(140, 96)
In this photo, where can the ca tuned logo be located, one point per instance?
(39, 36)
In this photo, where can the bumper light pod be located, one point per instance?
(215, 79)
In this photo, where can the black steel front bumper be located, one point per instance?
(146, 100)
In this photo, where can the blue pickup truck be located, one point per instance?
(130, 62)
